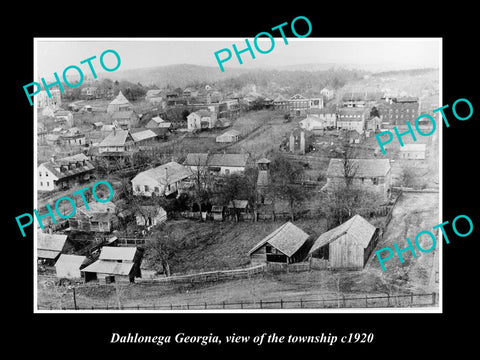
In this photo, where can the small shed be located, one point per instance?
(150, 215)
(69, 266)
(238, 209)
(347, 246)
(50, 246)
(218, 212)
(287, 244)
(228, 136)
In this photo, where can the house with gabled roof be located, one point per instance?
(347, 246)
(120, 103)
(368, 174)
(201, 119)
(126, 119)
(117, 142)
(99, 217)
(143, 136)
(287, 244)
(228, 136)
(163, 180)
(65, 172)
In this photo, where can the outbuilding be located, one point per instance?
(115, 264)
(69, 266)
(50, 246)
(287, 244)
(347, 246)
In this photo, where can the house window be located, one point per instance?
(48, 184)
(157, 189)
(40, 173)
(375, 181)
(227, 171)
(137, 188)
(41, 183)
(146, 188)
(46, 174)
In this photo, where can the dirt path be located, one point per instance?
(413, 213)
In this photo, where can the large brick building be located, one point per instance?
(397, 111)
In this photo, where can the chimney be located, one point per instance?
(302, 142)
(52, 159)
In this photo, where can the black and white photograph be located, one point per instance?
(288, 182)
(218, 180)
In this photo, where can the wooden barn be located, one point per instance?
(347, 246)
(50, 246)
(288, 244)
(69, 266)
(115, 264)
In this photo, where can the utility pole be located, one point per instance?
(74, 299)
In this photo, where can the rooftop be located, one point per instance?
(117, 253)
(165, 174)
(363, 167)
(116, 138)
(287, 238)
(120, 99)
(357, 231)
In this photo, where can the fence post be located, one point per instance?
(301, 303)
(223, 302)
(261, 307)
(434, 297)
(411, 298)
(171, 306)
(205, 305)
(188, 306)
(388, 299)
(366, 300)
(281, 303)
(241, 304)
(107, 306)
(344, 303)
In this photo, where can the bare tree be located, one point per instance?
(285, 181)
(161, 251)
(347, 154)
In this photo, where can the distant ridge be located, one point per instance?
(181, 75)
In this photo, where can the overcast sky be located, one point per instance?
(53, 55)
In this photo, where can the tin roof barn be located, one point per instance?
(69, 266)
(286, 245)
(115, 263)
(50, 246)
(347, 246)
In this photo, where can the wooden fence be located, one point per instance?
(352, 302)
(209, 275)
